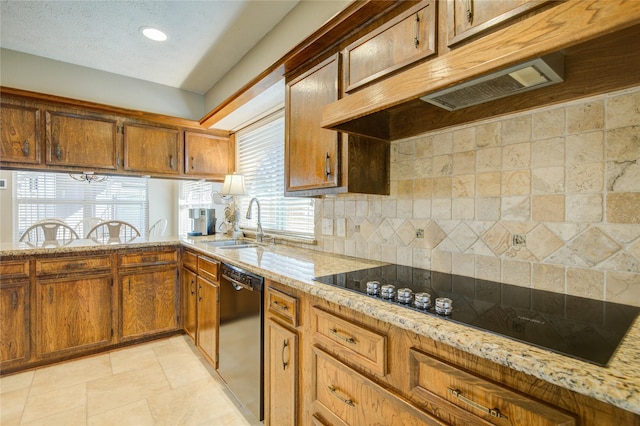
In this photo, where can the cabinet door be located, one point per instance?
(281, 358)
(84, 141)
(151, 149)
(400, 42)
(73, 313)
(20, 129)
(208, 319)
(207, 155)
(148, 302)
(189, 290)
(14, 342)
(467, 18)
(311, 152)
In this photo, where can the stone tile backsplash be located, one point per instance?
(566, 177)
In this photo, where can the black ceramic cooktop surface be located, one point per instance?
(582, 328)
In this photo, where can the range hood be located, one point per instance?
(534, 74)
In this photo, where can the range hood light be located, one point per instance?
(530, 75)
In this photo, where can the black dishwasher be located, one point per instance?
(241, 340)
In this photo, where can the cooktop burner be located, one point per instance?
(582, 328)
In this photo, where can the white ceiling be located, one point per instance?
(206, 37)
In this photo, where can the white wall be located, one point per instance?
(37, 74)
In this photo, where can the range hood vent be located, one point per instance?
(521, 78)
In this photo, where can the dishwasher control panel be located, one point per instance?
(242, 277)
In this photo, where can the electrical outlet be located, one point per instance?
(519, 240)
(419, 233)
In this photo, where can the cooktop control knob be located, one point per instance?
(422, 301)
(404, 295)
(444, 306)
(388, 291)
(373, 288)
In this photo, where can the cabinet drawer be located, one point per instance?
(433, 380)
(282, 305)
(148, 258)
(190, 260)
(14, 268)
(72, 264)
(359, 345)
(343, 396)
(208, 268)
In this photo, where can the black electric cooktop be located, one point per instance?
(581, 328)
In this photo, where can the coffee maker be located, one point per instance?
(203, 222)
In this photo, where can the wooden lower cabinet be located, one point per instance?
(73, 313)
(149, 302)
(14, 330)
(281, 363)
(208, 314)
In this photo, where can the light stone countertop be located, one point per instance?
(617, 384)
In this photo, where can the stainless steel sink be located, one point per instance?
(231, 244)
(238, 246)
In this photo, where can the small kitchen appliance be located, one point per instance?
(203, 222)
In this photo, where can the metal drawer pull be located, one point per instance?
(191, 287)
(285, 343)
(416, 32)
(341, 337)
(327, 165)
(334, 391)
(58, 151)
(469, 11)
(171, 162)
(25, 148)
(492, 411)
(280, 306)
(199, 292)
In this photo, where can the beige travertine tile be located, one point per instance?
(623, 110)
(517, 182)
(548, 152)
(489, 159)
(488, 135)
(423, 188)
(585, 177)
(549, 123)
(405, 150)
(488, 208)
(441, 208)
(56, 401)
(622, 287)
(16, 381)
(422, 168)
(623, 176)
(441, 261)
(516, 129)
(464, 162)
(74, 417)
(489, 184)
(623, 144)
(405, 189)
(133, 358)
(548, 180)
(585, 283)
(594, 246)
(464, 186)
(442, 165)
(541, 242)
(516, 208)
(464, 139)
(497, 239)
(488, 268)
(547, 208)
(584, 208)
(585, 116)
(549, 277)
(70, 373)
(137, 413)
(585, 147)
(187, 372)
(463, 264)
(517, 156)
(424, 147)
(516, 272)
(421, 209)
(622, 207)
(12, 405)
(405, 169)
(621, 261)
(442, 143)
(442, 187)
(463, 237)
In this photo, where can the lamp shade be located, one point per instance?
(233, 185)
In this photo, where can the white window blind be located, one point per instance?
(261, 161)
(46, 195)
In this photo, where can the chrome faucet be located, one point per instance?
(259, 234)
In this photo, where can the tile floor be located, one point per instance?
(164, 382)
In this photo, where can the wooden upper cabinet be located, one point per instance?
(467, 18)
(20, 130)
(208, 155)
(151, 149)
(311, 152)
(402, 41)
(81, 140)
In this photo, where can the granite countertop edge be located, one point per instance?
(617, 384)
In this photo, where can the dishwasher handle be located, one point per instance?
(237, 284)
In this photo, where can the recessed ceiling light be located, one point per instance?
(153, 34)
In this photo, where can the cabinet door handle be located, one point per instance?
(492, 411)
(327, 165)
(469, 11)
(285, 344)
(50, 294)
(171, 162)
(334, 392)
(348, 339)
(129, 283)
(14, 300)
(416, 31)
(192, 288)
(280, 306)
(192, 166)
(58, 151)
(25, 148)
(199, 292)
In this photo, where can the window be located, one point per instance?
(194, 194)
(46, 195)
(261, 161)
